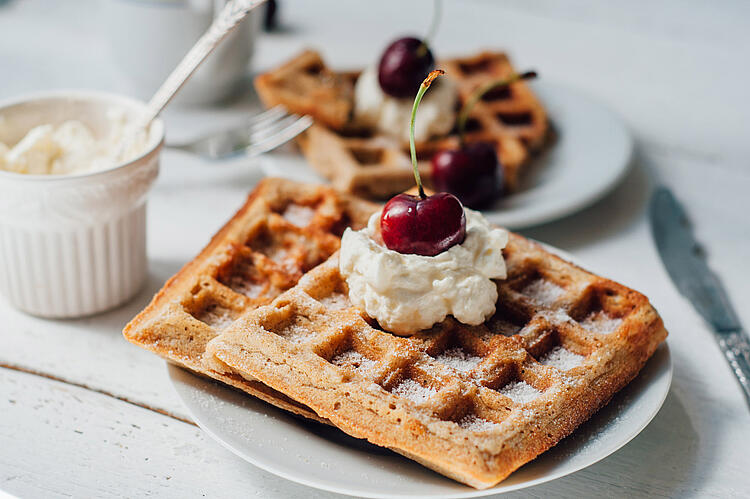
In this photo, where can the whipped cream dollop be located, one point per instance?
(390, 116)
(72, 147)
(408, 293)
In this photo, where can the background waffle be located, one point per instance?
(304, 85)
(283, 230)
(376, 166)
(473, 403)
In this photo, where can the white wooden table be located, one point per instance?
(83, 413)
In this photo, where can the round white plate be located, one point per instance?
(589, 156)
(326, 458)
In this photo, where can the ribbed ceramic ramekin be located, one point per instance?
(74, 245)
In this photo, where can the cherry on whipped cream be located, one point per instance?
(403, 66)
(472, 172)
(422, 225)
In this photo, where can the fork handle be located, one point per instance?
(736, 348)
(228, 19)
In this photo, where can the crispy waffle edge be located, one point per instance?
(526, 436)
(139, 332)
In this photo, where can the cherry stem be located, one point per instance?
(437, 11)
(463, 116)
(422, 89)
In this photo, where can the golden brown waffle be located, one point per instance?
(376, 166)
(305, 85)
(283, 230)
(473, 403)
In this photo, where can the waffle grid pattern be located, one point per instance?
(283, 230)
(377, 166)
(305, 85)
(473, 403)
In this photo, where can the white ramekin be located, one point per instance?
(74, 245)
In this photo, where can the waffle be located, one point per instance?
(305, 85)
(283, 230)
(471, 402)
(376, 166)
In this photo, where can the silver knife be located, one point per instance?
(686, 264)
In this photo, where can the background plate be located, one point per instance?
(588, 157)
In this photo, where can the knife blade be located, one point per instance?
(685, 262)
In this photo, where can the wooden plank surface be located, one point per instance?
(95, 416)
(64, 441)
(60, 440)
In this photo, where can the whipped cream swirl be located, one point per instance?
(376, 110)
(408, 293)
(72, 147)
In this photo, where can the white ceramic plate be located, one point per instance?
(589, 156)
(326, 458)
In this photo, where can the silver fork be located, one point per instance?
(261, 133)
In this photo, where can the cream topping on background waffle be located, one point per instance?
(390, 116)
(408, 293)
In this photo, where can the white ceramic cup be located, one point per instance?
(148, 38)
(74, 245)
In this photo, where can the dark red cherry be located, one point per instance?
(472, 173)
(403, 66)
(429, 226)
(422, 225)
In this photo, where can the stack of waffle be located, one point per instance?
(283, 230)
(376, 166)
(471, 402)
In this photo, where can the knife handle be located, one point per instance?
(736, 348)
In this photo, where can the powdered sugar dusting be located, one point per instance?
(336, 301)
(556, 316)
(458, 359)
(600, 322)
(472, 422)
(301, 216)
(246, 286)
(499, 326)
(413, 391)
(216, 316)
(543, 292)
(266, 245)
(295, 333)
(354, 359)
(561, 358)
(520, 392)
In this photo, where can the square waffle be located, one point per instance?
(377, 166)
(305, 85)
(283, 230)
(471, 402)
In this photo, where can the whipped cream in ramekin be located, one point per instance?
(72, 147)
(87, 228)
(391, 116)
(407, 293)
